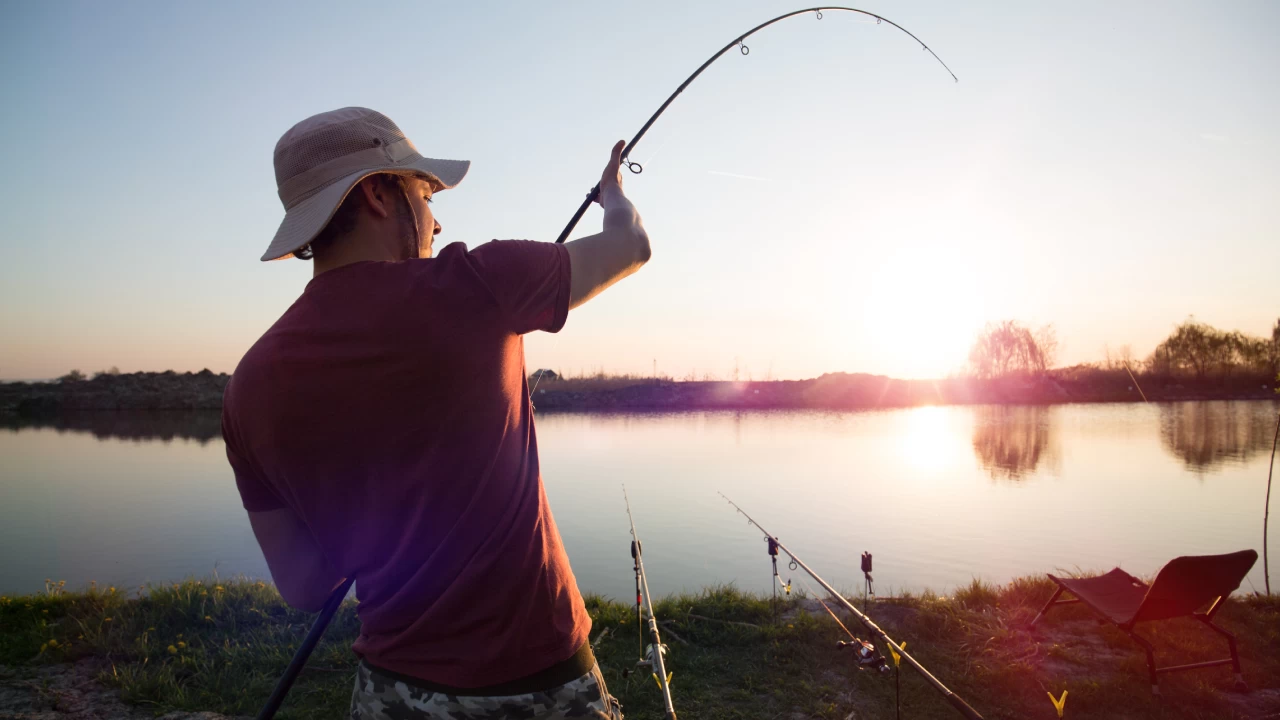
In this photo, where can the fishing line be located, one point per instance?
(818, 597)
(955, 700)
(1135, 383)
(738, 42)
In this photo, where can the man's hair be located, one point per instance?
(344, 218)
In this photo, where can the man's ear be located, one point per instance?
(376, 197)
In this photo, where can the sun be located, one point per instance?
(923, 314)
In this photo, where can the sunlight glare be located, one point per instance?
(928, 442)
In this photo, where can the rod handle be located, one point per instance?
(963, 707)
(304, 651)
(582, 210)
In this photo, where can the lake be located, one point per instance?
(939, 495)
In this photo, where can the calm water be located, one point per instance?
(939, 495)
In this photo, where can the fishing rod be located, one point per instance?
(652, 656)
(637, 168)
(299, 660)
(959, 704)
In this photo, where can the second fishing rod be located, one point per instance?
(650, 656)
(955, 700)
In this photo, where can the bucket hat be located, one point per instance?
(320, 159)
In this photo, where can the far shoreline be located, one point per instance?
(202, 391)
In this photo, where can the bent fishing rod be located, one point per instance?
(651, 656)
(738, 42)
(959, 704)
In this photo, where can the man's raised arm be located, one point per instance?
(598, 261)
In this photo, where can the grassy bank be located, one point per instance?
(205, 645)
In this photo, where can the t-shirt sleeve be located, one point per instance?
(529, 280)
(255, 494)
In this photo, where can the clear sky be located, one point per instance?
(833, 201)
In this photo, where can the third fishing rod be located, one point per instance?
(959, 704)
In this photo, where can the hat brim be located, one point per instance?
(304, 221)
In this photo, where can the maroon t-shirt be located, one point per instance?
(389, 409)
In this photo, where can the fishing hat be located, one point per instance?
(320, 159)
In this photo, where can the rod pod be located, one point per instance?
(955, 700)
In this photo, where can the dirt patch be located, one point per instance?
(70, 691)
(1257, 703)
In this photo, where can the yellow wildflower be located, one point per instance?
(179, 636)
(209, 619)
(181, 644)
(151, 629)
(53, 643)
(218, 588)
(111, 589)
(44, 612)
(173, 650)
(106, 619)
(204, 593)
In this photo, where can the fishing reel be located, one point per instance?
(866, 654)
(647, 661)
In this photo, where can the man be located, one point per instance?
(382, 429)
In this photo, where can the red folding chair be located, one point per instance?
(1182, 588)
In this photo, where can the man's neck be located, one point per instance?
(351, 249)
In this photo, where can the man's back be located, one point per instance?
(388, 408)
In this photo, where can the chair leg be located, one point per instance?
(1151, 660)
(1235, 655)
(1047, 605)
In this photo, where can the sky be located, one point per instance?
(832, 201)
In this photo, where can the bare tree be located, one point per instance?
(1008, 348)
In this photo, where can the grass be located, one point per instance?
(220, 646)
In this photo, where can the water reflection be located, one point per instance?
(199, 425)
(85, 497)
(1010, 442)
(1206, 435)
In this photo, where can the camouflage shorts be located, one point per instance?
(378, 697)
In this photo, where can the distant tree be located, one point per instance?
(1047, 340)
(113, 370)
(1202, 350)
(73, 376)
(1008, 348)
(1274, 352)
